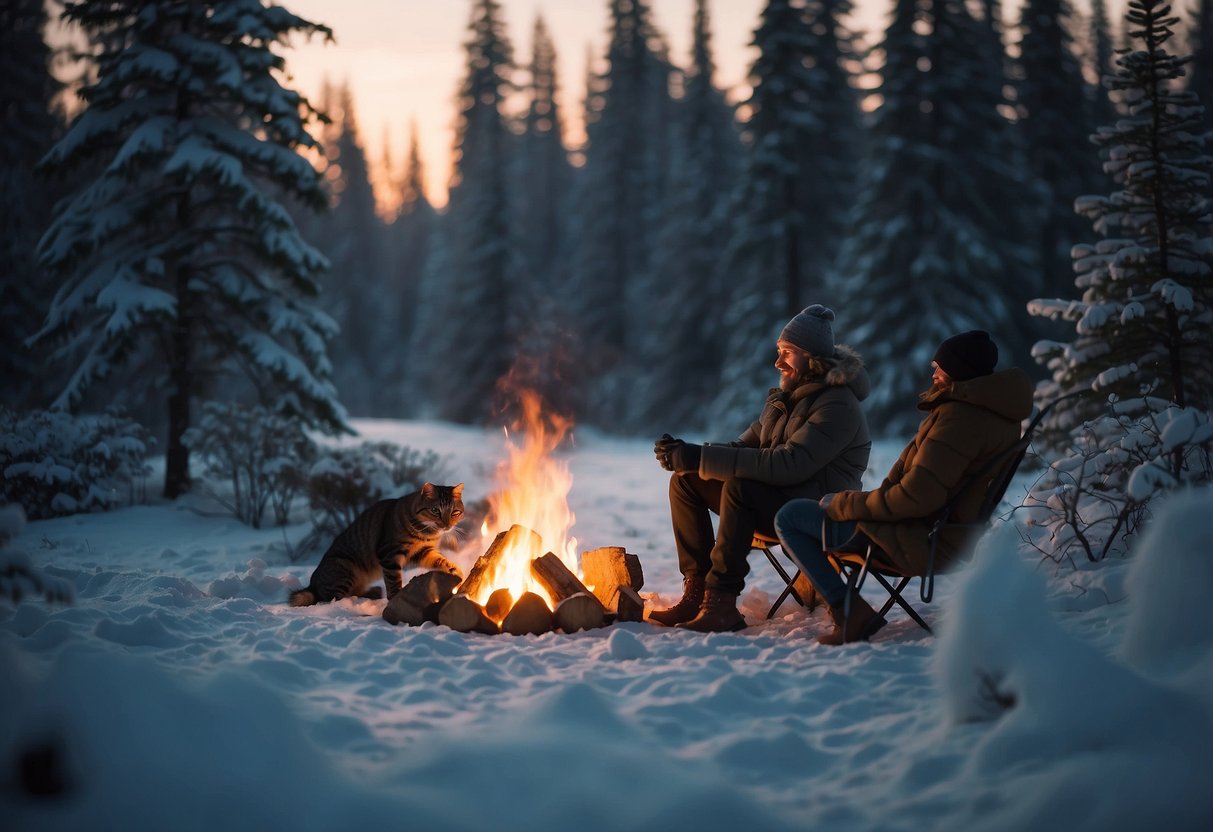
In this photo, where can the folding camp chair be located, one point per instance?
(994, 477)
(765, 543)
(997, 476)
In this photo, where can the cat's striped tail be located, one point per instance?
(303, 597)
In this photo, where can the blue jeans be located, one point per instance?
(799, 526)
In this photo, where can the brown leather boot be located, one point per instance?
(685, 609)
(858, 623)
(717, 614)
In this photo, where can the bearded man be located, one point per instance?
(973, 416)
(811, 439)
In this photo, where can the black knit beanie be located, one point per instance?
(811, 331)
(967, 355)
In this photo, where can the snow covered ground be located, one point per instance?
(180, 692)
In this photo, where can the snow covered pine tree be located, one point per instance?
(1142, 359)
(173, 246)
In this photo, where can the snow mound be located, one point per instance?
(112, 721)
(255, 584)
(1063, 715)
(1169, 627)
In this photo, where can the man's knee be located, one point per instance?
(738, 491)
(681, 488)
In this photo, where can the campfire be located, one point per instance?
(530, 578)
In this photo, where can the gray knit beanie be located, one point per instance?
(810, 330)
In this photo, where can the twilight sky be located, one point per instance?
(404, 60)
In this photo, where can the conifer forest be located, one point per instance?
(196, 230)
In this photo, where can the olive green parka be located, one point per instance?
(810, 441)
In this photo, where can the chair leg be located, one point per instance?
(789, 589)
(852, 571)
(895, 597)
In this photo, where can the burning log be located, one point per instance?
(499, 604)
(529, 616)
(609, 568)
(465, 615)
(581, 611)
(420, 598)
(556, 578)
(482, 572)
(586, 612)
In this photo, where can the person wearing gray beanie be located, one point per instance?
(810, 438)
(973, 418)
(812, 331)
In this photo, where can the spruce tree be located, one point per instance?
(356, 292)
(936, 247)
(1139, 372)
(411, 235)
(680, 351)
(31, 127)
(1100, 61)
(1053, 109)
(1200, 38)
(791, 210)
(623, 188)
(174, 246)
(543, 172)
(472, 346)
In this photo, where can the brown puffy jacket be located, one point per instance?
(811, 441)
(966, 426)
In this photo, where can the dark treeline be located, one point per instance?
(642, 288)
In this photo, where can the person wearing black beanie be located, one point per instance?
(967, 355)
(973, 415)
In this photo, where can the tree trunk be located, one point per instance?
(177, 455)
(791, 248)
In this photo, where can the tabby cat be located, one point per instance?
(388, 536)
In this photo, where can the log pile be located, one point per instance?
(612, 577)
(615, 577)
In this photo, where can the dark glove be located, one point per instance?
(684, 457)
(661, 449)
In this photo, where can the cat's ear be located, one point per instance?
(427, 490)
(457, 491)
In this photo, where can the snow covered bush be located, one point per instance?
(1094, 500)
(18, 578)
(344, 482)
(54, 463)
(1137, 380)
(263, 455)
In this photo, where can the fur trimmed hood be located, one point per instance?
(848, 371)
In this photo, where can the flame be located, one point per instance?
(532, 489)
